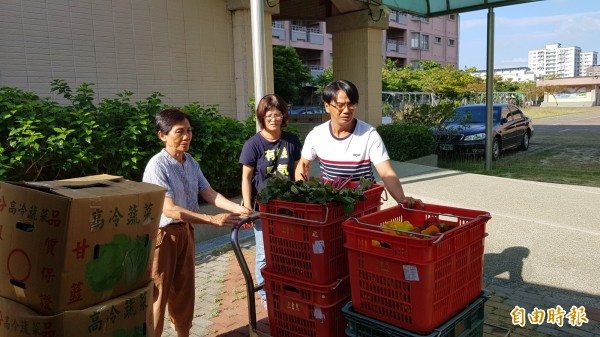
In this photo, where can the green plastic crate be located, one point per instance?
(467, 323)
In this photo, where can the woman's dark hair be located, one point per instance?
(166, 118)
(269, 102)
(330, 91)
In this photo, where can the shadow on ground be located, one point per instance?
(502, 275)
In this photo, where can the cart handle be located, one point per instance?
(304, 220)
(246, 219)
(444, 214)
(439, 235)
(250, 287)
(386, 195)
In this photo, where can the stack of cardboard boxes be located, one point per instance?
(75, 257)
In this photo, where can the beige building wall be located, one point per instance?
(571, 92)
(184, 49)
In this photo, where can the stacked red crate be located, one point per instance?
(304, 249)
(410, 281)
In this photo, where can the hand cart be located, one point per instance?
(250, 287)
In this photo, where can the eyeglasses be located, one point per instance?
(342, 107)
(273, 117)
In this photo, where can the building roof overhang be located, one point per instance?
(429, 8)
(570, 81)
(322, 9)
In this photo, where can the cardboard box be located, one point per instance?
(129, 315)
(70, 244)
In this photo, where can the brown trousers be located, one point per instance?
(173, 273)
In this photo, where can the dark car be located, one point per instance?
(464, 131)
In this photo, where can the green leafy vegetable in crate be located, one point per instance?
(314, 191)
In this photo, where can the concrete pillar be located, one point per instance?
(242, 53)
(356, 49)
(244, 86)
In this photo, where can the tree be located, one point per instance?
(428, 76)
(323, 79)
(553, 90)
(289, 74)
(502, 85)
(531, 91)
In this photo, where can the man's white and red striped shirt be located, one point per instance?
(350, 156)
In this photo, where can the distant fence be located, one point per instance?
(397, 100)
(512, 97)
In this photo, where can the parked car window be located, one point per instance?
(506, 113)
(516, 112)
(517, 115)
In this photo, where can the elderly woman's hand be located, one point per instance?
(244, 211)
(410, 202)
(225, 219)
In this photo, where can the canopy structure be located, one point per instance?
(430, 8)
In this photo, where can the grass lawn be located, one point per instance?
(536, 112)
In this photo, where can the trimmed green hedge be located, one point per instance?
(406, 141)
(42, 140)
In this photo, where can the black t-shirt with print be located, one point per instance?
(260, 154)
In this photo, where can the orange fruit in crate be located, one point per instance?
(431, 230)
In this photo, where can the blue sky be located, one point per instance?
(529, 26)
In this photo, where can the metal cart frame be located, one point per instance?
(250, 287)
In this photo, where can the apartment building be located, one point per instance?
(407, 40)
(517, 74)
(593, 71)
(561, 61)
(588, 59)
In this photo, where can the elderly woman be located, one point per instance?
(173, 265)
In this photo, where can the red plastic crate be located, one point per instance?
(305, 248)
(294, 212)
(410, 282)
(304, 309)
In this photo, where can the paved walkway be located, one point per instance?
(545, 282)
(221, 308)
(221, 301)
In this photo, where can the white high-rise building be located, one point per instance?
(555, 60)
(560, 61)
